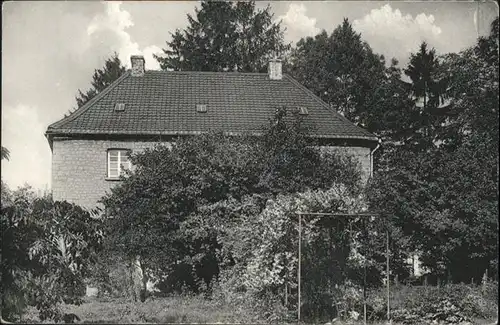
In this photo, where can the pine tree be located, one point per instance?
(225, 36)
(101, 79)
(429, 88)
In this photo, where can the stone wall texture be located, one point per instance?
(79, 167)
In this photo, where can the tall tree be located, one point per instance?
(429, 88)
(341, 69)
(225, 36)
(487, 47)
(445, 200)
(472, 92)
(102, 78)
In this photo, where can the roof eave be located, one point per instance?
(50, 134)
(79, 111)
(327, 107)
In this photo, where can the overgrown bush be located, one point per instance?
(47, 247)
(450, 304)
(167, 210)
(111, 276)
(259, 251)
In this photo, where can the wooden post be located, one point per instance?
(388, 274)
(364, 292)
(298, 271)
(364, 270)
(357, 215)
(286, 294)
(330, 264)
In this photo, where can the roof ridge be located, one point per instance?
(79, 111)
(323, 103)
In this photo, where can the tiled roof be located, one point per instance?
(165, 103)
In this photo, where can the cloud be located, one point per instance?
(393, 34)
(111, 27)
(297, 23)
(29, 160)
(49, 51)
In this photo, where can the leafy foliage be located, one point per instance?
(159, 212)
(450, 304)
(111, 275)
(444, 199)
(259, 250)
(440, 203)
(5, 153)
(341, 69)
(225, 36)
(422, 72)
(47, 247)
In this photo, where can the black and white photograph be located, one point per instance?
(250, 162)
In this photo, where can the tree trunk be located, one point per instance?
(132, 282)
(144, 282)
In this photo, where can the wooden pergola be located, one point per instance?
(345, 215)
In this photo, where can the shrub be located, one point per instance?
(111, 276)
(260, 251)
(47, 247)
(451, 303)
(159, 212)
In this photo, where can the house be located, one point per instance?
(143, 107)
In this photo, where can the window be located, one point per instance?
(302, 110)
(118, 162)
(119, 107)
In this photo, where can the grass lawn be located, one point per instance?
(167, 310)
(154, 310)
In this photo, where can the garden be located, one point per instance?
(207, 230)
(212, 224)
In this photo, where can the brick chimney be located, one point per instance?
(274, 69)
(138, 64)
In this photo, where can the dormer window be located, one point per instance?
(302, 110)
(119, 107)
(201, 108)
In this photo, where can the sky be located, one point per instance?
(51, 48)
